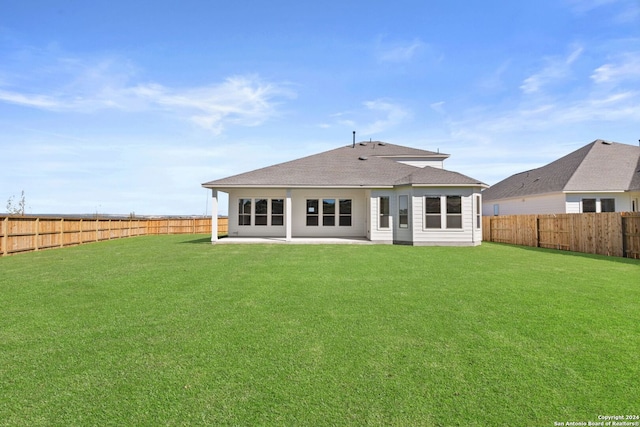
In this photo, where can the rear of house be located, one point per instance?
(380, 192)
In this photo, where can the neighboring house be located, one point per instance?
(381, 192)
(602, 176)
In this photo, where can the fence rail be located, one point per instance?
(25, 234)
(611, 233)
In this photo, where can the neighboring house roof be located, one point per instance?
(598, 166)
(369, 164)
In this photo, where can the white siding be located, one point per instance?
(394, 233)
(439, 164)
(545, 204)
(364, 215)
(378, 234)
(359, 218)
(299, 198)
(469, 234)
(556, 203)
(622, 201)
(253, 230)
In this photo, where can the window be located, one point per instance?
(588, 205)
(403, 211)
(244, 212)
(263, 209)
(312, 212)
(496, 210)
(454, 212)
(607, 205)
(328, 212)
(432, 210)
(261, 212)
(478, 212)
(277, 212)
(345, 213)
(383, 206)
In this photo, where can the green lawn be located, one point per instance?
(170, 330)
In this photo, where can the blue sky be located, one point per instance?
(128, 106)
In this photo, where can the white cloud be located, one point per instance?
(438, 107)
(377, 116)
(618, 12)
(239, 100)
(559, 114)
(582, 6)
(557, 69)
(244, 100)
(398, 52)
(626, 67)
(535, 130)
(393, 115)
(629, 15)
(36, 101)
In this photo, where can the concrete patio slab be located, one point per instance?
(295, 240)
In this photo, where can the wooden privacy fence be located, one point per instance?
(611, 233)
(25, 234)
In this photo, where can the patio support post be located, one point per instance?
(214, 216)
(287, 216)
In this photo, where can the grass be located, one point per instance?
(170, 330)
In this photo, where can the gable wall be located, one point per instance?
(623, 201)
(545, 204)
(556, 203)
(439, 164)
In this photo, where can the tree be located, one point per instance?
(16, 208)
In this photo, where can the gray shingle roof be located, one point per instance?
(368, 164)
(598, 166)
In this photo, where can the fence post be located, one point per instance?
(81, 241)
(537, 231)
(37, 235)
(623, 230)
(62, 232)
(5, 231)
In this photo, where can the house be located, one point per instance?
(602, 176)
(373, 191)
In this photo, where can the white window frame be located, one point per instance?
(384, 215)
(444, 214)
(338, 214)
(252, 214)
(402, 224)
(242, 213)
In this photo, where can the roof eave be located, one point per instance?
(212, 186)
(412, 156)
(592, 191)
(475, 184)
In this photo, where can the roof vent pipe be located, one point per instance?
(354, 140)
